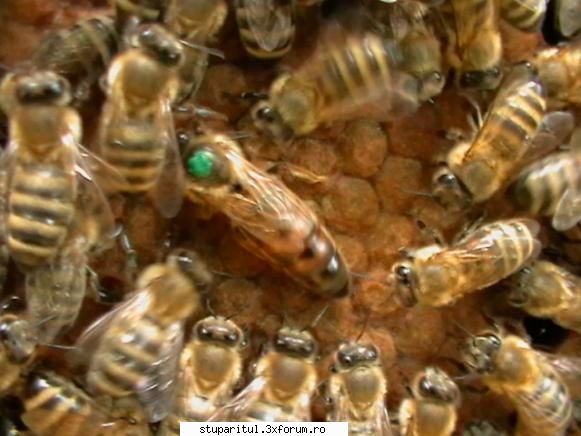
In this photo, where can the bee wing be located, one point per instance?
(383, 423)
(88, 342)
(55, 292)
(567, 15)
(537, 7)
(520, 77)
(553, 131)
(157, 391)
(476, 247)
(339, 407)
(95, 217)
(270, 21)
(568, 210)
(168, 192)
(239, 405)
(569, 368)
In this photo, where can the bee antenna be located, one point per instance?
(59, 347)
(204, 49)
(209, 308)
(462, 328)
(420, 193)
(317, 318)
(364, 326)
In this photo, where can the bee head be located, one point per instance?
(536, 285)
(219, 331)
(43, 87)
(480, 352)
(295, 343)
(204, 162)
(160, 44)
(481, 79)
(449, 190)
(268, 120)
(354, 355)
(434, 384)
(192, 265)
(405, 280)
(17, 337)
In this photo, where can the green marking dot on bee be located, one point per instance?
(201, 164)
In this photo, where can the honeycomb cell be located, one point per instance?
(362, 147)
(396, 182)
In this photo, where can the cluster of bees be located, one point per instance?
(383, 60)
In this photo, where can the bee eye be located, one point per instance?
(308, 348)
(403, 274)
(447, 180)
(201, 164)
(266, 114)
(495, 72)
(372, 354)
(232, 338)
(204, 333)
(437, 77)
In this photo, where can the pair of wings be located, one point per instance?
(156, 389)
(567, 16)
(169, 187)
(551, 132)
(381, 424)
(270, 21)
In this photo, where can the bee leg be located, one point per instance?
(199, 111)
(132, 258)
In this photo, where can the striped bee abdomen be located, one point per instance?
(525, 15)
(137, 151)
(125, 356)
(539, 188)
(55, 406)
(553, 412)
(40, 210)
(267, 32)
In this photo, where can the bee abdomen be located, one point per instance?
(524, 15)
(280, 37)
(358, 67)
(127, 356)
(539, 188)
(40, 209)
(55, 406)
(556, 408)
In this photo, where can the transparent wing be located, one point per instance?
(382, 421)
(519, 81)
(157, 391)
(87, 344)
(239, 405)
(568, 367)
(552, 133)
(482, 245)
(339, 408)
(270, 21)
(568, 13)
(94, 221)
(568, 210)
(536, 7)
(168, 192)
(55, 292)
(303, 408)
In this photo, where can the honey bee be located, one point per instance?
(356, 390)
(17, 350)
(285, 380)
(548, 187)
(266, 27)
(559, 70)
(546, 290)
(136, 346)
(474, 44)
(268, 218)
(510, 367)
(525, 15)
(136, 128)
(571, 244)
(515, 124)
(80, 53)
(335, 84)
(437, 276)
(54, 405)
(433, 408)
(51, 196)
(194, 22)
(210, 366)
